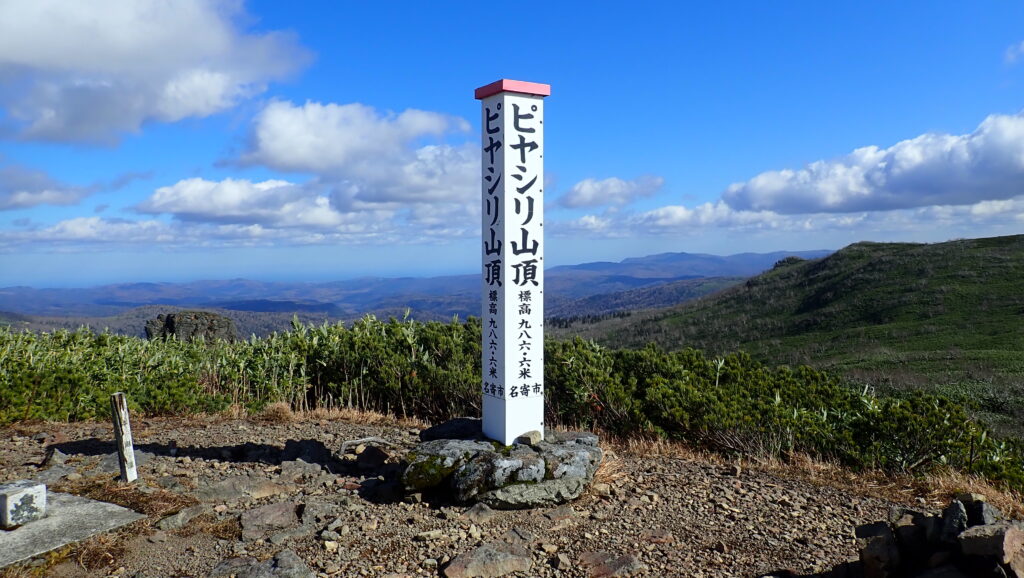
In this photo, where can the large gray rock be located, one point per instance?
(490, 560)
(571, 460)
(286, 564)
(431, 463)
(485, 471)
(879, 554)
(529, 473)
(606, 565)
(1002, 541)
(178, 520)
(954, 521)
(546, 493)
(189, 325)
(279, 516)
(571, 437)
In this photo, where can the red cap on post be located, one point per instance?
(505, 85)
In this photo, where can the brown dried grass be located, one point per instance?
(277, 413)
(100, 551)
(611, 470)
(362, 417)
(159, 502)
(208, 523)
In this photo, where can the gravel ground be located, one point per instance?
(249, 491)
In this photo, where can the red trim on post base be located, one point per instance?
(505, 85)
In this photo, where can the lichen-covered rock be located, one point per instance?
(570, 459)
(532, 468)
(485, 471)
(189, 325)
(571, 437)
(515, 476)
(432, 462)
(546, 493)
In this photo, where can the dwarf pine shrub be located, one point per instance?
(730, 404)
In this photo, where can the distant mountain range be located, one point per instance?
(598, 288)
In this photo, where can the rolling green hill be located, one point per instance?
(946, 316)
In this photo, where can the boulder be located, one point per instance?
(954, 521)
(545, 493)
(490, 560)
(277, 516)
(433, 462)
(879, 554)
(526, 474)
(286, 564)
(190, 325)
(1002, 541)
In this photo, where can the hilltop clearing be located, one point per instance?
(217, 491)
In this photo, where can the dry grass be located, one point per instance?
(101, 551)
(277, 413)
(208, 523)
(362, 417)
(611, 470)
(155, 503)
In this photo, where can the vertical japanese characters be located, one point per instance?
(512, 246)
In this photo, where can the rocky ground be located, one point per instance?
(250, 498)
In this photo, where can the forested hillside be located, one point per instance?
(947, 317)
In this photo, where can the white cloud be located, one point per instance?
(931, 169)
(1014, 52)
(374, 157)
(272, 203)
(305, 213)
(610, 191)
(708, 217)
(21, 188)
(86, 71)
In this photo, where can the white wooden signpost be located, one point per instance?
(513, 258)
(123, 435)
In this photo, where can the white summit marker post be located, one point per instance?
(513, 258)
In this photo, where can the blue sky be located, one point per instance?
(181, 140)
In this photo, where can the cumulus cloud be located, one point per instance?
(374, 156)
(21, 187)
(610, 191)
(304, 213)
(81, 233)
(81, 71)
(931, 169)
(678, 219)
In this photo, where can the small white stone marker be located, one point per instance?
(21, 502)
(513, 258)
(123, 434)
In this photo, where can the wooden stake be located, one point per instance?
(123, 433)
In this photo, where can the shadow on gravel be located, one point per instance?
(379, 480)
(309, 451)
